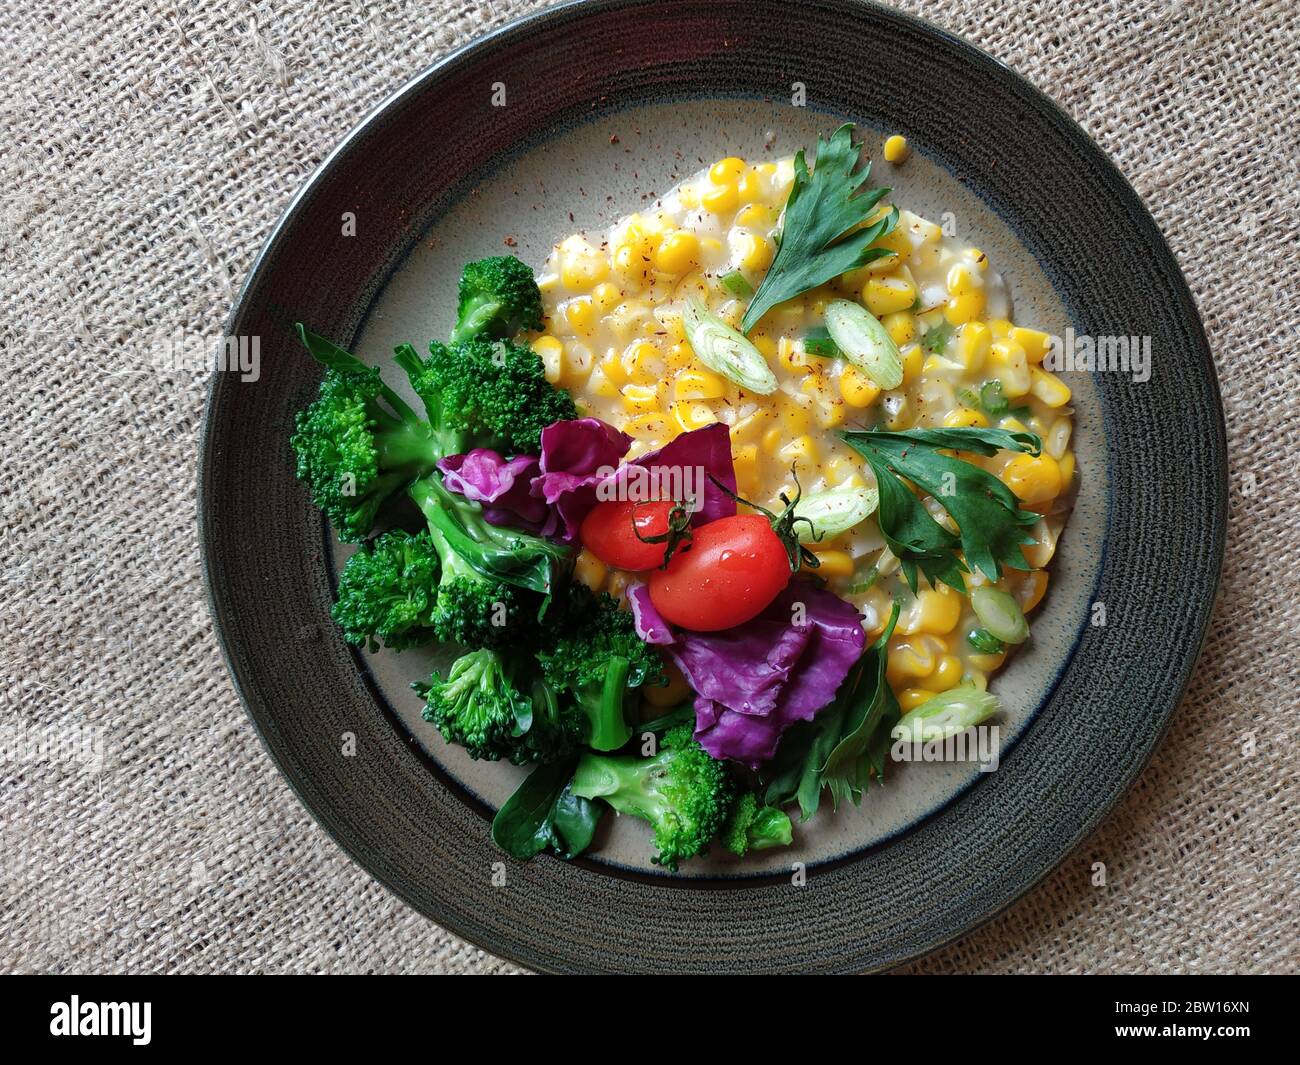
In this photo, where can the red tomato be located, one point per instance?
(607, 532)
(730, 571)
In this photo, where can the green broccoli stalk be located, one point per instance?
(498, 298)
(495, 393)
(387, 592)
(477, 704)
(681, 791)
(359, 443)
(753, 826)
(599, 659)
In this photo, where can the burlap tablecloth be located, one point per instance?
(147, 149)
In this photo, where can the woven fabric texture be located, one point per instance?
(145, 152)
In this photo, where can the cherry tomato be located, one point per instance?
(729, 572)
(607, 532)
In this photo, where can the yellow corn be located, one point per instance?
(857, 389)
(794, 417)
(605, 296)
(901, 327)
(582, 271)
(801, 450)
(1001, 328)
(590, 570)
(895, 150)
(748, 188)
(720, 198)
(1034, 479)
(947, 674)
(900, 247)
(755, 216)
(677, 252)
(988, 663)
(791, 357)
(964, 308)
(764, 343)
(935, 610)
(960, 280)
(973, 342)
(830, 412)
(965, 418)
(834, 564)
(551, 352)
(599, 384)
(840, 469)
(744, 460)
(752, 251)
(581, 315)
(1007, 359)
(889, 294)
(689, 416)
(1033, 586)
(699, 384)
(913, 657)
(911, 698)
(980, 260)
(1067, 468)
(649, 426)
(641, 363)
(913, 360)
(726, 171)
(638, 398)
(1048, 387)
(630, 265)
(1035, 342)
(679, 357)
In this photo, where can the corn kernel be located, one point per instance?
(678, 252)
(581, 314)
(652, 425)
(834, 564)
(911, 698)
(934, 610)
(599, 384)
(794, 416)
(699, 384)
(689, 416)
(744, 460)
(980, 260)
(641, 363)
(1048, 387)
(590, 570)
(1067, 468)
(1033, 586)
(830, 412)
(1007, 358)
(756, 216)
(726, 171)
(1001, 328)
(912, 657)
(886, 295)
(857, 388)
(960, 280)
(720, 198)
(901, 327)
(640, 397)
(550, 351)
(913, 360)
(988, 663)
(752, 251)
(790, 357)
(764, 343)
(582, 271)
(1034, 479)
(679, 357)
(947, 674)
(839, 469)
(896, 150)
(965, 418)
(748, 188)
(801, 450)
(605, 296)
(1035, 342)
(965, 308)
(630, 266)
(973, 342)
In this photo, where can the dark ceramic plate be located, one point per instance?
(438, 175)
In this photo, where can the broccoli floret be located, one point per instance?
(494, 705)
(498, 298)
(358, 444)
(598, 658)
(479, 611)
(495, 394)
(681, 791)
(753, 826)
(478, 705)
(387, 592)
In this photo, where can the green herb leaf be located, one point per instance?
(817, 341)
(736, 283)
(985, 642)
(543, 813)
(935, 342)
(822, 208)
(840, 747)
(992, 525)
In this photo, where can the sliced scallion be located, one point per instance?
(736, 283)
(834, 511)
(865, 343)
(1000, 614)
(725, 351)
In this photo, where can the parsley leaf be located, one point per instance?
(838, 749)
(935, 342)
(816, 245)
(987, 514)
